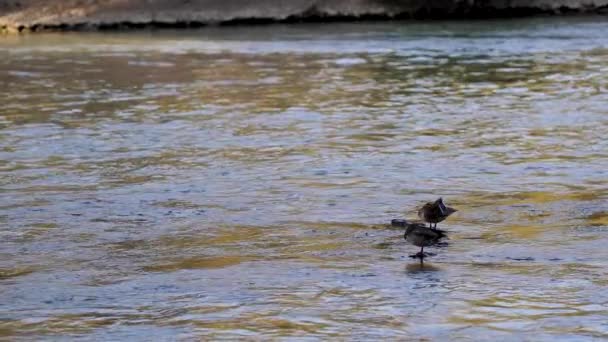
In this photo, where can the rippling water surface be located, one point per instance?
(236, 182)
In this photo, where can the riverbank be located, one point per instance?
(37, 15)
(235, 183)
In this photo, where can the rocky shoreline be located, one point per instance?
(36, 15)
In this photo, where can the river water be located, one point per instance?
(237, 182)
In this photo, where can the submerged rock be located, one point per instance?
(17, 15)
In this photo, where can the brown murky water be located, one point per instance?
(236, 182)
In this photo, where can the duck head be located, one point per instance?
(441, 206)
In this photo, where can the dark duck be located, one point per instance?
(419, 235)
(435, 212)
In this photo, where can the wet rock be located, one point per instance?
(399, 223)
(16, 16)
(521, 259)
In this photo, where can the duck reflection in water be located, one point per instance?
(420, 267)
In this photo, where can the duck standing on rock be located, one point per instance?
(435, 212)
(419, 235)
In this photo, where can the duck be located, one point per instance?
(435, 212)
(419, 235)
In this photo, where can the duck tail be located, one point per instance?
(441, 233)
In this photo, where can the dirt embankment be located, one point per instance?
(27, 15)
